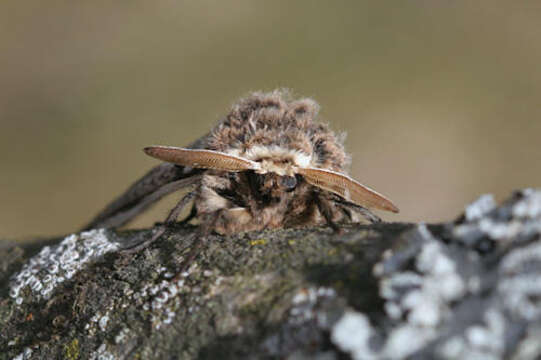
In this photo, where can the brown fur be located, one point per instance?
(271, 120)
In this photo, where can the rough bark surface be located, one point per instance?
(465, 289)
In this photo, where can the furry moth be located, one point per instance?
(267, 164)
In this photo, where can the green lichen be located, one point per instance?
(258, 242)
(71, 350)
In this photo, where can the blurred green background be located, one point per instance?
(440, 99)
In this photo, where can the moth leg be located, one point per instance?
(325, 208)
(160, 229)
(191, 215)
(234, 220)
(347, 213)
(205, 229)
(367, 214)
(187, 219)
(122, 217)
(175, 213)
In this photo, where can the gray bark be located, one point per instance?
(470, 288)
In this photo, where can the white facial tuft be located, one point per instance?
(258, 152)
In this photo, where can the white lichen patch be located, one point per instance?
(122, 335)
(159, 294)
(418, 300)
(424, 294)
(162, 298)
(103, 322)
(520, 286)
(530, 206)
(524, 223)
(405, 340)
(480, 207)
(498, 230)
(515, 261)
(479, 341)
(352, 334)
(530, 346)
(26, 354)
(421, 300)
(102, 354)
(488, 337)
(56, 264)
(305, 302)
(99, 321)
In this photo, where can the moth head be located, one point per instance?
(271, 184)
(276, 174)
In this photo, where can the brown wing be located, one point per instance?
(201, 159)
(347, 188)
(150, 188)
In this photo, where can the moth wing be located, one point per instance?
(347, 188)
(155, 184)
(201, 158)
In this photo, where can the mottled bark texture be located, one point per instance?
(466, 289)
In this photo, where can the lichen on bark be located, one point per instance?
(460, 289)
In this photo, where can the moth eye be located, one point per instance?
(288, 182)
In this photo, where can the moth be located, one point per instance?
(267, 164)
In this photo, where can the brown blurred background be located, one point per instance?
(440, 99)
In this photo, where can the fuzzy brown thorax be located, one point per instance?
(273, 126)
